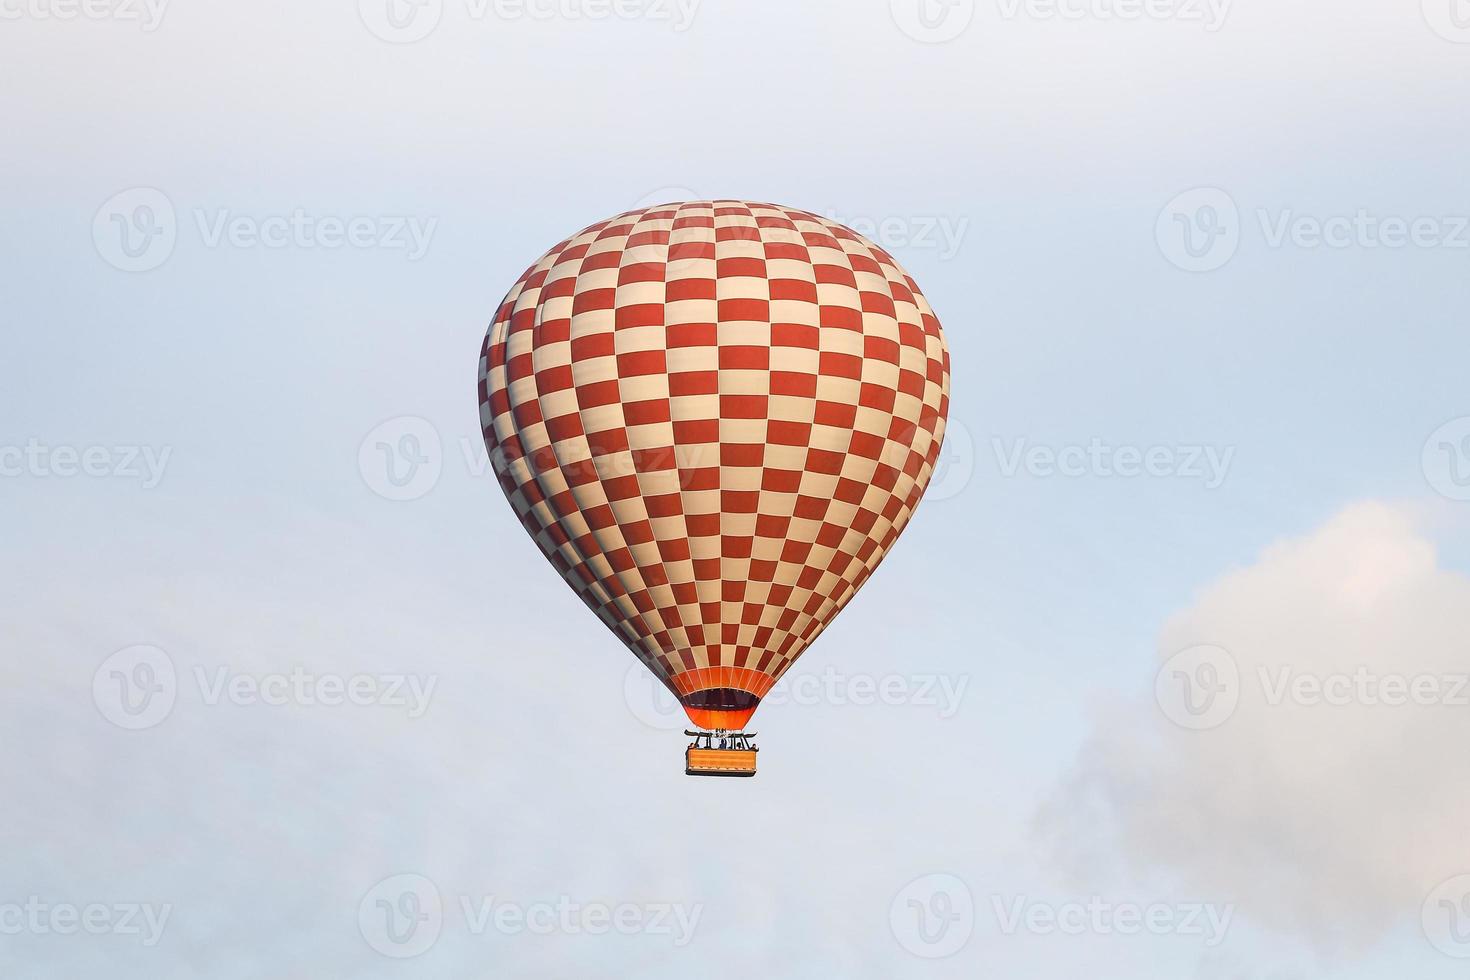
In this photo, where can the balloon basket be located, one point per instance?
(720, 754)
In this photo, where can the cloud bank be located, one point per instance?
(1303, 755)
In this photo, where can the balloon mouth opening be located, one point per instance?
(720, 708)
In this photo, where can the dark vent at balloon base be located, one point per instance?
(723, 709)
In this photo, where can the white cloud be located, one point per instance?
(1330, 801)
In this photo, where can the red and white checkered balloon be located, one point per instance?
(715, 418)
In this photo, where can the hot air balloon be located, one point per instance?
(714, 418)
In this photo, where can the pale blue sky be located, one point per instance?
(1047, 148)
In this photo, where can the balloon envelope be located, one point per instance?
(714, 418)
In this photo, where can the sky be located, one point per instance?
(1166, 678)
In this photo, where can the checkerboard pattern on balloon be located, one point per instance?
(714, 418)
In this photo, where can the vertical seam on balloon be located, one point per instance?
(581, 588)
(732, 658)
(700, 652)
(801, 624)
(686, 613)
(657, 619)
(537, 334)
(778, 633)
(627, 609)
